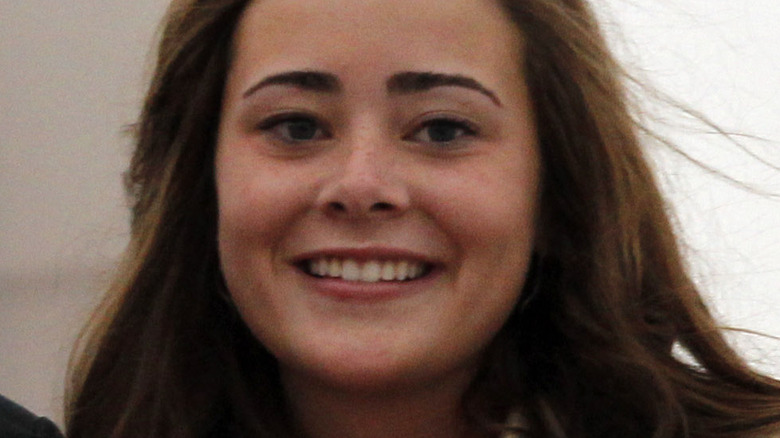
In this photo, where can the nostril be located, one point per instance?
(378, 206)
(337, 207)
(382, 206)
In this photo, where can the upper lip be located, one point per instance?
(364, 254)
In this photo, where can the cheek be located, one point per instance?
(491, 216)
(256, 209)
(256, 206)
(491, 210)
(256, 196)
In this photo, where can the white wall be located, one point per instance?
(72, 74)
(720, 57)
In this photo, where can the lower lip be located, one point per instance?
(359, 291)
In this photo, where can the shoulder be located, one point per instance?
(18, 422)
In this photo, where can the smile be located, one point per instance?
(370, 271)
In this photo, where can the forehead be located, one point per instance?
(398, 34)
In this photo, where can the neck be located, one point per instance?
(432, 411)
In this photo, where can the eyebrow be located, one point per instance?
(305, 80)
(400, 83)
(414, 82)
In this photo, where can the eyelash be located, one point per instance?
(276, 122)
(466, 128)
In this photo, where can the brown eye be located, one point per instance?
(442, 131)
(294, 128)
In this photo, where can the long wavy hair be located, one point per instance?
(590, 351)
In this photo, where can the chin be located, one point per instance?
(372, 368)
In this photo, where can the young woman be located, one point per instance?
(418, 218)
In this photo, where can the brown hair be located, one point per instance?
(590, 352)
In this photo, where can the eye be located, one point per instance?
(293, 128)
(442, 130)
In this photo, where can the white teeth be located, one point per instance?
(415, 270)
(315, 267)
(388, 271)
(370, 271)
(334, 268)
(350, 270)
(402, 270)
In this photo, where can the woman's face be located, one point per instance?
(378, 179)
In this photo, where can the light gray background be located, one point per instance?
(73, 73)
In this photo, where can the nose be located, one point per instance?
(364, 183)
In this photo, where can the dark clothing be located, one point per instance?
(18, 422)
